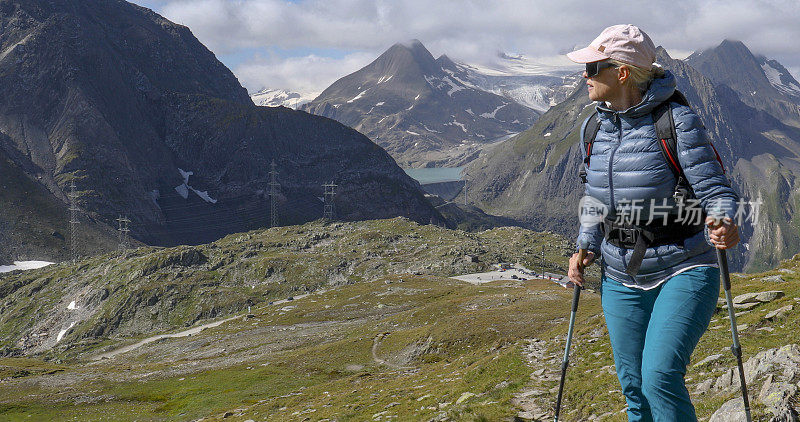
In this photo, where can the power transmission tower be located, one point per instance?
(73, 223)
(542, 261)
(123, 232)
(330, 192)
(273, 195)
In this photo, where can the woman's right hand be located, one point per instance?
(576, 271)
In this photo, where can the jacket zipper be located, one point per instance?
(612, 204)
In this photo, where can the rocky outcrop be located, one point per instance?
(778, 372)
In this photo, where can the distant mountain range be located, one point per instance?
(149, 124)
(420, 110)
(533, 177)
(280, 97)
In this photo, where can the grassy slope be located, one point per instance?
(312, 358)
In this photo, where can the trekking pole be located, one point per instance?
(564, 363)
(722, 257)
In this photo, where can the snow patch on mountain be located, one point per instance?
(360, 94)
(774, 76)
(492, 114)
(24, 265)
(183, 189)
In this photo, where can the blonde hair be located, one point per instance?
(640, 76)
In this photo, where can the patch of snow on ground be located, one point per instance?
(469, 110)
(204, 195)
(62, 332)
(185, 175)
(412, 133)
(24, 265)
(492, 114)
(182, 190)
(547, 134)
(379, 104)
(412, 106)
(459, 80)
(72, 306)
(461, 125)
(360, 94)
(453, 87)
(417, 97)
(430, 80)
(774, 77)
(430, 130)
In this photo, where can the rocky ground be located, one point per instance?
(386, 337)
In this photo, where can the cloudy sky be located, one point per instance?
(305, 45)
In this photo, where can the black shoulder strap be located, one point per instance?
(667, 137)
(590, 129)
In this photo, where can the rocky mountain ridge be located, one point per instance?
(761, 83)
(417, 108)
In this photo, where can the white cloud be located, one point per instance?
(474, 30)
(307, 75)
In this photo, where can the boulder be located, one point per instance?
(769, 296)
(757, 297)
(779, 313)
(773, 279)
(745, 298)
(731, 411)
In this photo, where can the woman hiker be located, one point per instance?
(660, 278)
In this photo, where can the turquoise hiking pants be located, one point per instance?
(653, 333)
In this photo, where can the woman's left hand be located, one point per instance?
(723, 233)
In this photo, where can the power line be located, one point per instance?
(330, 192)
(123, 232)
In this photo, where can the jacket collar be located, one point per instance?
(659, 91)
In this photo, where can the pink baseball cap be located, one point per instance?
(626, 43)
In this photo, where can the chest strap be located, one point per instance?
(641, 237)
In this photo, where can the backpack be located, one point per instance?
(668, 141)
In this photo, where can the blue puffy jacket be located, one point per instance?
(626, 164)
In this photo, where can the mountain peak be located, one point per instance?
(404, 54)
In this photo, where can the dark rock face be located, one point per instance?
(148, 123)
(533, 177)
(419, 110)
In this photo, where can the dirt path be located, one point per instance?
(191, 331)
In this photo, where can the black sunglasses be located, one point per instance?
(593, 68)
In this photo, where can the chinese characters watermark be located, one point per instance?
(592, 211)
